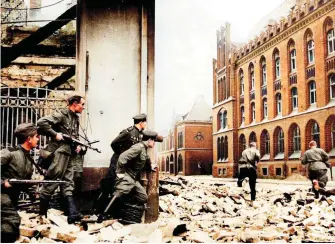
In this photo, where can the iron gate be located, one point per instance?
(24, 105)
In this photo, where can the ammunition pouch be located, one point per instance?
(45, 159)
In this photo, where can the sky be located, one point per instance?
(186, 45)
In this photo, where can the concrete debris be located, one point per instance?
(203, 212)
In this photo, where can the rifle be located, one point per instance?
(15, 181)
(88, 145)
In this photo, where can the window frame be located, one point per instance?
(294, 98)
(281, 142)
(293, 61)
(312, 92)
(315, 133)
(264, 77)
(277, 68)
(265, 108)
(332, 86)
(241, 83)
(279, 104)
(311, 52)
(242, 114)
(331, 42)
(267, 143)
(253, 111)
(296, 140)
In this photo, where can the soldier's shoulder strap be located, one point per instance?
(130, 128)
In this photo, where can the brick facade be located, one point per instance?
(284, 53)
(187, 144)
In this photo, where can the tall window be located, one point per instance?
(279, 103)
(333, 134)
(332, 86)
(180, 139)
(280, 141)
(218, 149)
(296, 140)
(224, 120)
(265, 108)
(312, 92)
(253, 112)
(263, 72)
(242, 115)
(225, 156)
(242, 82)
(277, 63)
(331, 41)
(252, 78)
(180, 163)
(293, 60)
(294, 93)
(310, 52)
(267, 143)
(315, 133)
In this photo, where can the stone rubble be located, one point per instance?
(203, 212)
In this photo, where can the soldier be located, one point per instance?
(129, 167)
(247, 165)
(15, 164)
(126, 139)
(121, 143)
(65, 121)
(317, 160)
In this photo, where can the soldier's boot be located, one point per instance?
(44, 206)
(316, 189)
(74, 215)
(112, 202)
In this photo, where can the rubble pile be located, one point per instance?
(204, 212)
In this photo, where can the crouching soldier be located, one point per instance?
(65, 121)
(15, 164)
(129, 167)
(317, 161)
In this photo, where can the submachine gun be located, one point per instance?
(83, 144)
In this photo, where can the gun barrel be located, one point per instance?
(15, 181)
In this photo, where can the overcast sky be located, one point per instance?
(186, 44)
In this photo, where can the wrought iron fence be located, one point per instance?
(24, 105)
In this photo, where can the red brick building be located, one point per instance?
(188, 147)
(277, 90)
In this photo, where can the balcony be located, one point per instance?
(277, 85)
(293, 79)
(264, 90)
(330, 63)
(252, 95)
(310, 72)
(241, 99)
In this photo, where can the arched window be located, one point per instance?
(312, 92)
(167, 164)
(315, 133)
(241, 83)
(332, 135)
(218, 149)
(263, 73)
(224, 88)
(294, 94)
(278, 104)
(331, 41)
(332, 86)
(296, 140)
(242, 144)
(293, 60)
(310, 52)
(265, 143)
(252, 77)
(265, 108)
(276, 58)
(225, 156)
(222, 149)
(252, 137)
(280, 141)
(223, 119)
(242, 115)
(180, 163)
(253, 112)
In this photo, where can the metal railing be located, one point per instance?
(24, 105)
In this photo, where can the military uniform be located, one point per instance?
(67, 122)
(15, 164)
(316, 159)
(64, 157)
(247, 165)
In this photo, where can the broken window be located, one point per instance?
(278, 171)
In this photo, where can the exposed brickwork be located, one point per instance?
(311, 26)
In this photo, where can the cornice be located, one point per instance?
(288, 32)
